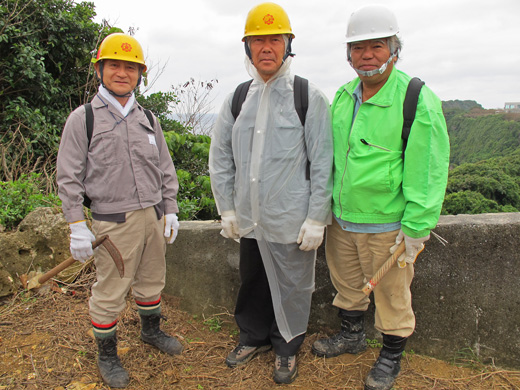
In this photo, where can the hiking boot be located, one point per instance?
(387, 366)
(285, 369)
(153, 335)
(110, 368)
(243, 353)
(351, 338)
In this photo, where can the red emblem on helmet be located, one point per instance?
(126, 47)
(268, 19)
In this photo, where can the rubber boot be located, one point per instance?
(388, 364)
(152, 334)
(110, 368)
(350, 339)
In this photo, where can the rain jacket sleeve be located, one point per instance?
(318, 139)
(221, 162)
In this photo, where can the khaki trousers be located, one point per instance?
(352, 259)
(141, 242)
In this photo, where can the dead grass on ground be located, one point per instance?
(46, 343)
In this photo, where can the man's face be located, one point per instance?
(267, 53)
(371, 55)
(119, 76)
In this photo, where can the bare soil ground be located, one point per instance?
(46, 343)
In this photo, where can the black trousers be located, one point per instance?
(254, 311)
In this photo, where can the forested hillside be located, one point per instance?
(485, 159)
(477, 134)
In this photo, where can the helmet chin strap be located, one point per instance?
(287, 51)
(128, 94)
(381, 70)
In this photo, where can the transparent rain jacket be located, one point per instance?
(258, 169)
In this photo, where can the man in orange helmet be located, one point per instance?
(122, 164)
(270, 168)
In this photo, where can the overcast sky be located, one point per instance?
(462, 49)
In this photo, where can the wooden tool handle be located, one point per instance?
(67, 263)
(384, 269)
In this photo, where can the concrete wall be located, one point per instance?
(465, 294)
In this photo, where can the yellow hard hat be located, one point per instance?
(119, 46)
(267, 19)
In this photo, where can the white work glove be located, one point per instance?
(229, 225)
(171, 227)
(311, 235)
(414, 246)
(81, 239)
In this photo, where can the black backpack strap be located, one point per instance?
(89, 120)
(301, 104)
(410, 107)
(239, 97)
(301, 97)
(149, 115)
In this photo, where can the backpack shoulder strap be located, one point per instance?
(410, 107)
(89, 120)
(149, 115)
(301, 97)
(301, 104)
(239, 97)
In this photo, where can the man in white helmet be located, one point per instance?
(271, 178)
(382, 194)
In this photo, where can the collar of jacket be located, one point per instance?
(97, 102)
(385, 96)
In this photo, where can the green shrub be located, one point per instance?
(195, 198)
(18, 198)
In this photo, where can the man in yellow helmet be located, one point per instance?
(124, 167)
(384, 191)
(270, 166)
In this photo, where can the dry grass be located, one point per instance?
(46, 344)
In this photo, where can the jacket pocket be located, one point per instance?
(377, 170)
(146, 149)
(105, 148)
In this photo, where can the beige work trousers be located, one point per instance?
(352, 259)
(141, 242)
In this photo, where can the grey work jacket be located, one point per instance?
(126, 167)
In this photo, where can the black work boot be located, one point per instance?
(152, 334)
(388, 364)
(351, 338)
(110, 368)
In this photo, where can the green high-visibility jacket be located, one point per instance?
(372, 181)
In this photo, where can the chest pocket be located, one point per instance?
(146, 149)
(106, 146)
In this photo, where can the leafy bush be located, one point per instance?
(44, 73)
(195, 197)
(489, 186)
(190, 153)
(18, 198)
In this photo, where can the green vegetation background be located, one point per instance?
(45, 73)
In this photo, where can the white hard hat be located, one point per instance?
(371, 22)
